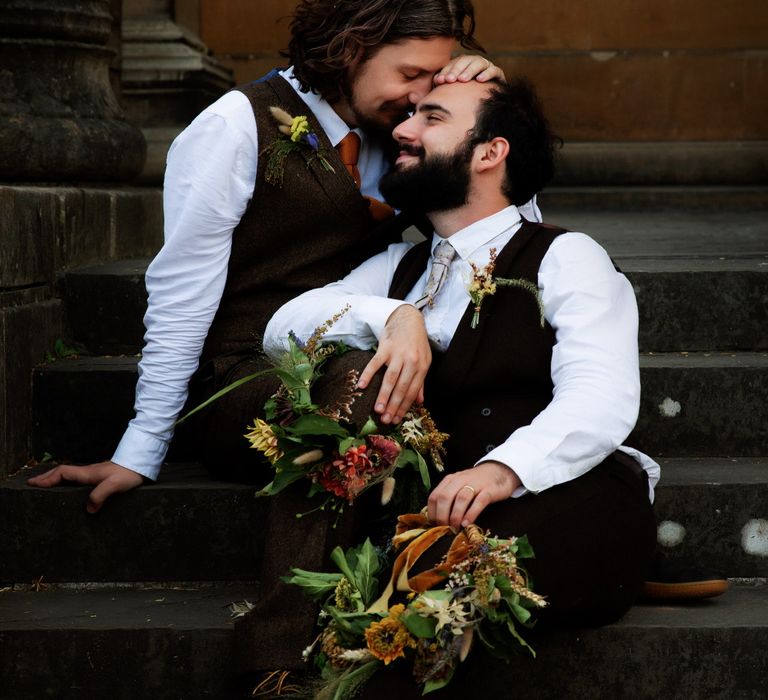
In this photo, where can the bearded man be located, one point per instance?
(537, 384)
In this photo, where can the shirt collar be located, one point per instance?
(333, 125)
(469, 239)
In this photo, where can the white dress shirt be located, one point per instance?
(590, 306)
(209, 181)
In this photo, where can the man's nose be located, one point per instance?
(403, 132)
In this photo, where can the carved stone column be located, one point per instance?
(168, 74)
(59, 118)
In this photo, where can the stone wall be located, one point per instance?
(653, 92)
(608, 70)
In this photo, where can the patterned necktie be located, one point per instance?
(349, 152)
(441, 261)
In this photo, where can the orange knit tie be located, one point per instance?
(349, 152)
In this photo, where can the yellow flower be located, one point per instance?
(263, 439)
(388, 639)
(299, 127)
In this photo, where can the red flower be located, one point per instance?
(384, 451)
(347, 475)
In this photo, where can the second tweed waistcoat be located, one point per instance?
(494, 378)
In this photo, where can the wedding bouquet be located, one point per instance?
(478, 591)
(320, 443)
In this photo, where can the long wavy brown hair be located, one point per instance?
(328, 35)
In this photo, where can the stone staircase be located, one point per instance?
(133, 602)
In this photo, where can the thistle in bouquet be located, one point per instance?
(304, 440)
(426, 622)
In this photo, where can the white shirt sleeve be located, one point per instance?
(595, 368)
(364, 291)
(209, 181)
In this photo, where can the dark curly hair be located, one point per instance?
(327, 35)
(513, 111)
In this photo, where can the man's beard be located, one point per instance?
(436, 183)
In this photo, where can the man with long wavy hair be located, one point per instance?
(238, 244)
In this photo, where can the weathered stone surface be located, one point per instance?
(27, 331)
(185, 527)
(171, 645)
(76, 20)
(626, 94)
(714, 512)
(49, 229)
(649, 199)
(681, 162)
(703, 404)
(59, 118)
(105, 305)
(164, 644)
(168, 75)
(672, 294)
(82, 406)
(29, 235)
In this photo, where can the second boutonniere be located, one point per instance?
(483, 284)
(297, 139)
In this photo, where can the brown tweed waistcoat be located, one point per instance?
(311, 231)
(496, 377)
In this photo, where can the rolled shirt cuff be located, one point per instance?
(141, 452)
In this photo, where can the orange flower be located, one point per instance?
(388, 639)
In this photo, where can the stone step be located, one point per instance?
(106, 304)
(164, 644)
(81, 406)
(185, 527)
(173, 644)
(652, 199)
(714, 512)
(703, 404)
(693, 404)
(189, 528)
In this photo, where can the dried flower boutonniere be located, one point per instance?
(298, 139)
(484, 284)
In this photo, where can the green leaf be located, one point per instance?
(345, 444)
(418, 626)
(224, 392)
(520, 613)
(431, 685)
(524, 549)
(424, 471)
(350, 625)
(349, 683)
(286, 473)
(339, 558)
(316, 425)
(314, 584)
(369, 428)
(368, 565)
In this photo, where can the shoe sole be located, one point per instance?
(692, 590)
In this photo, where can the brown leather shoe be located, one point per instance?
(672, 579)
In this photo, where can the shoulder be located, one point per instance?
(226, 125)
(574, 248)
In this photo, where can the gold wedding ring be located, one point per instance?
(471, 488)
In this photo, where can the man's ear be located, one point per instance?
(491, 154)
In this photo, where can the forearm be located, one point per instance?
(361, 295)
